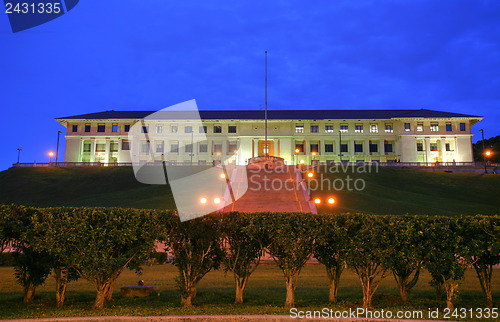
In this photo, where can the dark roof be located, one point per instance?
(277, 114)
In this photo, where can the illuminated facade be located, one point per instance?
(424, 136)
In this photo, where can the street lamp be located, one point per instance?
(331, 201)
(310, 175)
(484, 154)
(223, 176)
(297, 151)
(317, 201)
(57, 149)
(19, 154)
(217, 201)
(203, 201)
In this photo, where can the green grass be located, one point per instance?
(215, 294)
(402, 191)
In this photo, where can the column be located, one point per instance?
(107, 151)
(351, 149)
(366, 150)
(92, 150)
(428, 150)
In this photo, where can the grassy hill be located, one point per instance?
(390, 191)
(401, 191)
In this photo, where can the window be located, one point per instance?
(174, 147)
(434, 127)
(314, 148)
(125, 145)
(420, 127)
(145, 147)
(127, 128)
(344, 148)
(188, 129)
(173, 129)
(100, 147)
(218, 148)
(101, 127)
(145, 129)
(448, 127)
(420, 146)
(188, 148)
(358, 147)
(231, 129)
(159, 129)
(113, 147)
(358, 128)
(314, 129)
(373, 128)
(299, 128)
(203, 147)
(388, 147)
(448, 146)
(344, 128)
(389, 128)
(300, 147)
(434, 146)
(87, 127)
(329, 128)
(373, 147)
(217, 129)
(114, 128)
(160, 146)
(407, 127)
(462, 126)
(75, 128)
(203, 129)
(232, 148)
(86, 147)
(328, 148)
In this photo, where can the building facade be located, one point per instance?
(298, 136)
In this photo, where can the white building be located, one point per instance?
(424, 136)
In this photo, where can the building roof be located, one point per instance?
(275, 114)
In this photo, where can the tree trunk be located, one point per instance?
(241, 284)
(109, 293)
(29, 293)
(401, 281)
(333, 275)
(290, 291)
(61, 285)
(450, 287)
(101, 296)
(484, 273)
(186, 300)
(367, 295)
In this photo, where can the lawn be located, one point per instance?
(215, 294)
(402, 191)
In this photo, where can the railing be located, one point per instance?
(414, 164)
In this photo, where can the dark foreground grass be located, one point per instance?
(215, 294)
(405, 191)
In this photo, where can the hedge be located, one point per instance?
(97, 244)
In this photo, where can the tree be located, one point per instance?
(406, 260)
(98, 243)
(446, 253)
(483, 254)
(290, 240)
(331, 249)
(5, 227)
(196, 247)
(243, 249)
(369, 250)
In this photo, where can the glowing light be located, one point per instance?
(314, 154)
(297, 150)
(488, 153)
(51, 154)
(203, 200)
(223, 176)
(235, 151)
(317, 201)
(230, 161)
(217, 201)
(301, 162)
(331, 201)
(310, 175)
(218, 153)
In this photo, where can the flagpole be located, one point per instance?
(265, 115)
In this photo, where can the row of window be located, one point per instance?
(159, 128)
(433, 147)
(358, 147)
(359, 128)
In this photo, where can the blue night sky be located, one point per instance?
(147, 55)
